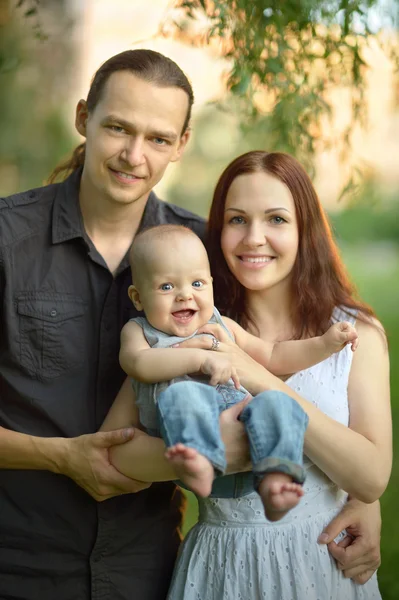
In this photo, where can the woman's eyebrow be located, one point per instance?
(269, 210)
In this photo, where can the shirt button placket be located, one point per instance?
(98, 560)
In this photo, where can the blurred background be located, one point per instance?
(318, 79)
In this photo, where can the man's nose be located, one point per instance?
(133, 151)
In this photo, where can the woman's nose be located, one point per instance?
(255, 235)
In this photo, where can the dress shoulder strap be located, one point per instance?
(343, 313)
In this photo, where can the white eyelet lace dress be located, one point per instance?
(234, 553)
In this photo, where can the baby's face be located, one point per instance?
(177, 296)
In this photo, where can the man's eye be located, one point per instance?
(116, 128)
(160, 141)
(166, 287)
(197, 283)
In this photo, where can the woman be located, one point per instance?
(278, 273)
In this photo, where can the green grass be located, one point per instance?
(376, 274)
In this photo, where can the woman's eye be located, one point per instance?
(237, 220)
(166, 287)
(197, 284)
(278, 220)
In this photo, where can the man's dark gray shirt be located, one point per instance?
(61, 314)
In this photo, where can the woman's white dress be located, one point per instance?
(234, 553)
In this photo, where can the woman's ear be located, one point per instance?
(135, 297)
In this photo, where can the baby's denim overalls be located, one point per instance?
(187, 411)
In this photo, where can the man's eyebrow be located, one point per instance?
(169, 135)
(269, 210)
(116, 119)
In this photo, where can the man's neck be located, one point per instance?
(111, 227)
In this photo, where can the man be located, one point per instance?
(64, 277)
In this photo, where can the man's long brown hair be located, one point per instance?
(319, 279)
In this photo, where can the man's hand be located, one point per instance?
(235, 438)
(86, 461)
(358, 553)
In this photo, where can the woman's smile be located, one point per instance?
(255, 261)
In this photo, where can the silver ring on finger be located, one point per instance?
(215, 344)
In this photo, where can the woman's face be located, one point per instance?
(260, 232)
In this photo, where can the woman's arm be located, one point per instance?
(143, 457)
(357, 458)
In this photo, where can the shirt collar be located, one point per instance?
(67, 216)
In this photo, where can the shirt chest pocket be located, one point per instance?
(52, 333)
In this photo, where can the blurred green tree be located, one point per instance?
(284, 57)
(35, 72)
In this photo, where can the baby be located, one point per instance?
(180, 392)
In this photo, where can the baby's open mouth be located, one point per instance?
(184, 315)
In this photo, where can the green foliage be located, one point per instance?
(33, 81)
(284, 57)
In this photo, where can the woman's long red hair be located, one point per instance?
(319, 279)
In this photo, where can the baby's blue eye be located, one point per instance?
(166, 287)
(197, 284)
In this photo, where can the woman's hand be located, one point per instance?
(235, 438)
(357, 554)
(252, 375)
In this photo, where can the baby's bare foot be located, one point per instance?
(192, 468)
(279, 494)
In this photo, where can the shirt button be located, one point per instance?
(53, 313)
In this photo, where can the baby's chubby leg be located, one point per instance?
(189, 421)
(276, 425)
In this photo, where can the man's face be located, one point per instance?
(132, 135)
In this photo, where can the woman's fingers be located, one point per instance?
(216, 331)
(204, 342)
(235, 378)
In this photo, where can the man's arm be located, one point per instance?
(84, 459)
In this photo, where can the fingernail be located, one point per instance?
(323, 538)
(127, 433)
(175, 345)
